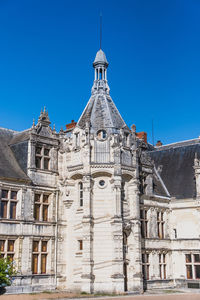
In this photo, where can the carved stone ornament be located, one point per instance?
(68, 203)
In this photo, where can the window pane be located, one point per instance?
(38, 162)
(141, 214)
(11, 246)
(164, 269)
(4, 209)
(147, 272)
(44, 246)
(143, 258)
(46, 152)
(43, 263)
(37, 197)
(164, 255)
(10, 257)
(45, 198)
(196, 257)
(45, 213)
(37, 212)
(160, 271)
(2, 244)
(197, 271)
(158, 227)
(13, 206)
(38, 150)
(159, 258)
(14, 195)
(35, 246)
(4, 194)
(142, 229)
(80, 245)
(188, 258)
(162, 232)
(46, 163)
(35, 264)
(189, 271)
(143, 271)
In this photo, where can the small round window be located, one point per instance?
(101, 183)
(101, 134)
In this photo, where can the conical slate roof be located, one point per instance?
(100, 58)
(101, 112)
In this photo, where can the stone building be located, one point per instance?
(96, 207)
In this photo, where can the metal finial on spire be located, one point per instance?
(100, 29)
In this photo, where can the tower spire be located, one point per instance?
(100, 29)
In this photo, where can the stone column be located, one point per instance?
(31, 154)
(87, 262)
(135, 279)
(117, 231)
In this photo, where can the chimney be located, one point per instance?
(71, 125)
(142, 135)
(159, 143)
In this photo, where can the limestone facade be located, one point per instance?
(96, 208)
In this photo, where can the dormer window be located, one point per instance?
(42, 157)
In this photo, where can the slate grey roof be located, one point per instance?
(100, 58)
(9, 167)
(101, 112)
(176, 163)
(158, 187)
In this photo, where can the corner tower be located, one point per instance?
(100, 111)
(102, 199)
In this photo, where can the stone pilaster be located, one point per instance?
(87, 271)
(135, 279)
(117, 231)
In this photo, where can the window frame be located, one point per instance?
(39, 214)
(192, 264)
(144, 222)
(37, 257)
(11, 210)
(145, 265)
(160, 225)
(162, 266)
(42, 157)
(80, 194)
(7, 252)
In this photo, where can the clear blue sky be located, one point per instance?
(153, 46)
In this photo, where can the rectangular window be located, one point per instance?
(160, 225)
(192, 266)
(145, 266)
(8, 204)
(7, 248)
(35, 264)
(80, 186)
(80, 245)
(41, 207)
(162, 266)
(13, 206)
(39, 254)
(144, 223)
(42, 158)
(2, 248)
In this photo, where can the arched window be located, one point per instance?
(80, 188)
